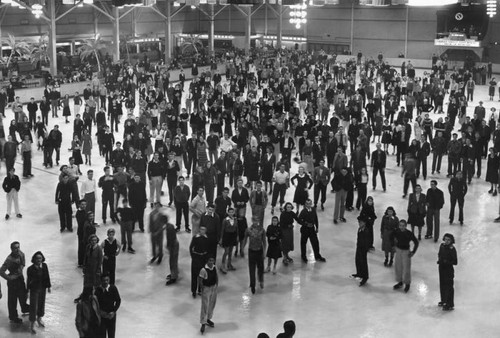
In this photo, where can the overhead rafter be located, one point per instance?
(69, 10)
(103, 11)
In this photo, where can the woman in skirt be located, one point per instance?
(287, 218)
(492, 171)
(302, 183)
(368, 214)
(388, 225)
(77, 152)
(65, 105)
(378, 123)
(386, 135)
(228, 240)
(87, 146)
(273, 234)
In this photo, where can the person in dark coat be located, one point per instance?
(81, 217)
(65, 197)
(457, 189)
(137, 200)
(92, 263)
(378, 163)
(492, 171)
(417, 210)
(198, 250)
(422, 153)
(368, 215)
(252, 166)
(111, 248)
(362, 248)
(341, 183)
(14, 263)
(37, 284)
(389, 224)
(308, 218)
(435, 201)
(109, 302)
(267, 163)
(438, 149)
(273, 233)
(210, 220)
(88, 314)
(447, 258)
(10, 152)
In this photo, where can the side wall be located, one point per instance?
(375, 29)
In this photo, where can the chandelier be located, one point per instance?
(298, 14)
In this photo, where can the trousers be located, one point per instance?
(65, 215)
(446, 276)
(173, 260)
(256, 262)
(382, 177)
(208, 301)
(319, 189)
(454, 200)
(309, 233)
(340, 197)
(197, 262)
(402, 266)
(181, 209)
(16, 291)
(126, 228)
(433, 222)
(361, 262)
(278, 190)
(155, 184)
(12, 197)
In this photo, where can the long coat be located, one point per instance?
(92, 266)
(416, 210)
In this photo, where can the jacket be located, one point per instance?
(435, 198)
(379, 159)
(344, 182)
(457, 188)
(11, 182)
(324, 178)
(33, 283)
(416, 207)
(253, 196)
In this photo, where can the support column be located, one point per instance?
(248, 29)
(134, 23)
(406, 30)
(52, 37)
(265, 19)
(211, 31)
(96, 21)
(168, 32)
(1, 46)
(72, 47)
(352, 27)
(116, 34)
(279, 25)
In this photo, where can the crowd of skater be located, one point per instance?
(229, 147)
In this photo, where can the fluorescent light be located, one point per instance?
(431, 3)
